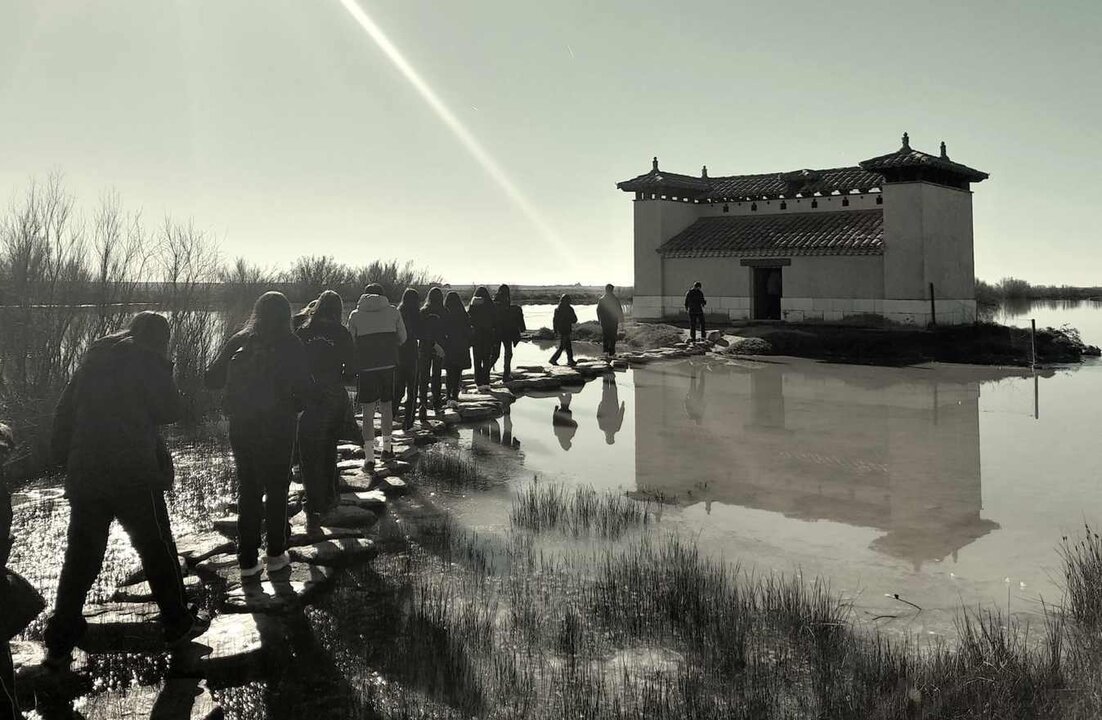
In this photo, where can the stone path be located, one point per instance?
(249, 633)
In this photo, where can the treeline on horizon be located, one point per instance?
(1011, 289)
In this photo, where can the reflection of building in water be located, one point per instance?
(610, 411)
(895, 449)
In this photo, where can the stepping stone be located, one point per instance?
(394, 486)
(366, 499)
(34, 683)
(303, 583)
(179, 699)
(349, 451)
(472, 414)
(503, 395)
(123, 628)
(347, 516)
(141, 592)
(227, 525)
(452, 417)
(198, 546)
(222, 568)
(137, 575)
(356, 464)
(299, 536)
(237, 648)
(337, 552)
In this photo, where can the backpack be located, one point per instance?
(252, 381)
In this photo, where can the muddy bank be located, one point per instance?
(979, 344)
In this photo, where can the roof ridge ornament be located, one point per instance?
(906, 141)
(944, 154)
(654, 163)
(704, 172)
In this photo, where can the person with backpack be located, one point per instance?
(378, 331)
(564, 321)
(105, 433)
(457, 345)
(510, 323)
(484, 336)
(431, 357)
(407, 368)
(330, 355)
(266, 376)
(694, 304)
(610, 313)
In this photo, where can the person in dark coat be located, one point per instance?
(610, 313)
(330, 355)
(267, 382)
(484, 336)
(694, 304)
(406, 374)
(457, 344)
(431, 353)
(564, 321)
(106, 434)
(510, 324)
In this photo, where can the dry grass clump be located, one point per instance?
(579, 511)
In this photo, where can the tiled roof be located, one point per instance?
(756, 187)
(905, 157)
(847, 232)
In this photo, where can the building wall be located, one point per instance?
(827, 203)
(928, 239)
(655, 222)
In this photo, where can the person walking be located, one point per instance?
(407, 368)
(610, 313)
(457, 345)
(265, 375)
(694, 304)
(330, 355)
(484, 336)
(105, 433)
(510, 323)
(431, 357)
(564, 321)
(378, 331)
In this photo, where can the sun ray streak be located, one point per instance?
(456, 126)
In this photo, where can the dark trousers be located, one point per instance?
(608, 337)
(483, 352)
(696, 319)
(504, 350)
(454, 382)
(144, 517)
(405, 385)
(9, 707)
(430, 365)
(319, 431)
(262, 452)
(566, 345)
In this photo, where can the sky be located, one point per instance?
(283, 127)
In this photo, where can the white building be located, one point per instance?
(890, 237)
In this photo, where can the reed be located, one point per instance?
(578, 511)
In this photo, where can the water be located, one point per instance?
(949, 486)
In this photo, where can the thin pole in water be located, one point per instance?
(933, 309)
(1033, 365)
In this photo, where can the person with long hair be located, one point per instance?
(564, 321)
(457, 345)
(405, 382)
(331, 356)
(106, 435)
(378, 331)
(484, 335)
(432, 352)
(510, 324)
(266, 376)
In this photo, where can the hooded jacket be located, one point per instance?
(564, 319)
(105, 427)
(609, 311)
(378, 330)
(432, 330)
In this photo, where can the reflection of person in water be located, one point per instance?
(694, 400)
(497, 434)
(610, 411)
(563, 421)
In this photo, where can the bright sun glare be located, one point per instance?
(473, 146)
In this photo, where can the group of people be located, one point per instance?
(283, 378)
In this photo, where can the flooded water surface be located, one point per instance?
(947, 486)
